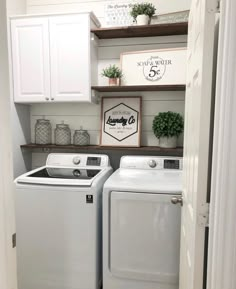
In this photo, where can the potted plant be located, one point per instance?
(114, 74)
(142, 13)
(167, 126)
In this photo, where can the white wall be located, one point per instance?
(53, 6)
(20, 114)
(15, 7)
(20, 121)
(7, 225)
(88, 115)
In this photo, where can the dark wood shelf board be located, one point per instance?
(178, 150)
(114, 153)
(142, 30)
(139, 88)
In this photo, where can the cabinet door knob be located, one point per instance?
(52, 98)
(47, 98)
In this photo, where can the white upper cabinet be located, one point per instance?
(30, 58)
(51, 58)
(70, 57)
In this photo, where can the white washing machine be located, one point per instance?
(58, 223)
(141, 224)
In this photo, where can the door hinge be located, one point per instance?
(213, 6)
(203, 216)
(218, 6)
(14, 240)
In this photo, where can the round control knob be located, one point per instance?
(76, 160)
(76, 173)
(152, 164)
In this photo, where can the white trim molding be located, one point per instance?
(7, 223)
(222, 239)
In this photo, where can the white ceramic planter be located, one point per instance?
(142, 20)
(168, 142)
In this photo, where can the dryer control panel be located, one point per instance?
(171, 164)
(152, 163)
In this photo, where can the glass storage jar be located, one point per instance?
(62, 134)
(43, 131)
(81, 137)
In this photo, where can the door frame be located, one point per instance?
(222, 243)
(7, 226)
(222, 226)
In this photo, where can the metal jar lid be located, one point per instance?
(42, 120)
(62, 126)
(81, 131)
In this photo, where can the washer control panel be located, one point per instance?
(93, 161)
(77, 160)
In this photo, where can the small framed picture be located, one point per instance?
(154, 67)
(118, 13)
(175, 17)
(121, 121)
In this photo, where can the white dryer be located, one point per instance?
(59, 223)
(141, 224)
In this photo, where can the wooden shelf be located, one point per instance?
(176, 151)
(127, 88)
(142, 31)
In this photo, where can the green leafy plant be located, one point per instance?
(168, 124)
(142, 8)
(112, 71)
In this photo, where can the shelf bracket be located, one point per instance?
(46, 150)
(95, 96)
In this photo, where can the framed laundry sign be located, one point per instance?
(154, 67)
(121, 121)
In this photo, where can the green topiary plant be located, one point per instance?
(112, 71)
(168, 124)
(142, 9)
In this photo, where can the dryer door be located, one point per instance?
(144, 237)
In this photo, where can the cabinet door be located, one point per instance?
(70, 64)
(30, 59)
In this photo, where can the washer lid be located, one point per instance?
(61, 176)
(64, 173)
(156, 181)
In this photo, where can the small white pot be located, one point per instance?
(142, 19)
(168, 142)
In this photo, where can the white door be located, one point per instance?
(30, 59)
(197, 141)
(70, 64)
(145, 238)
